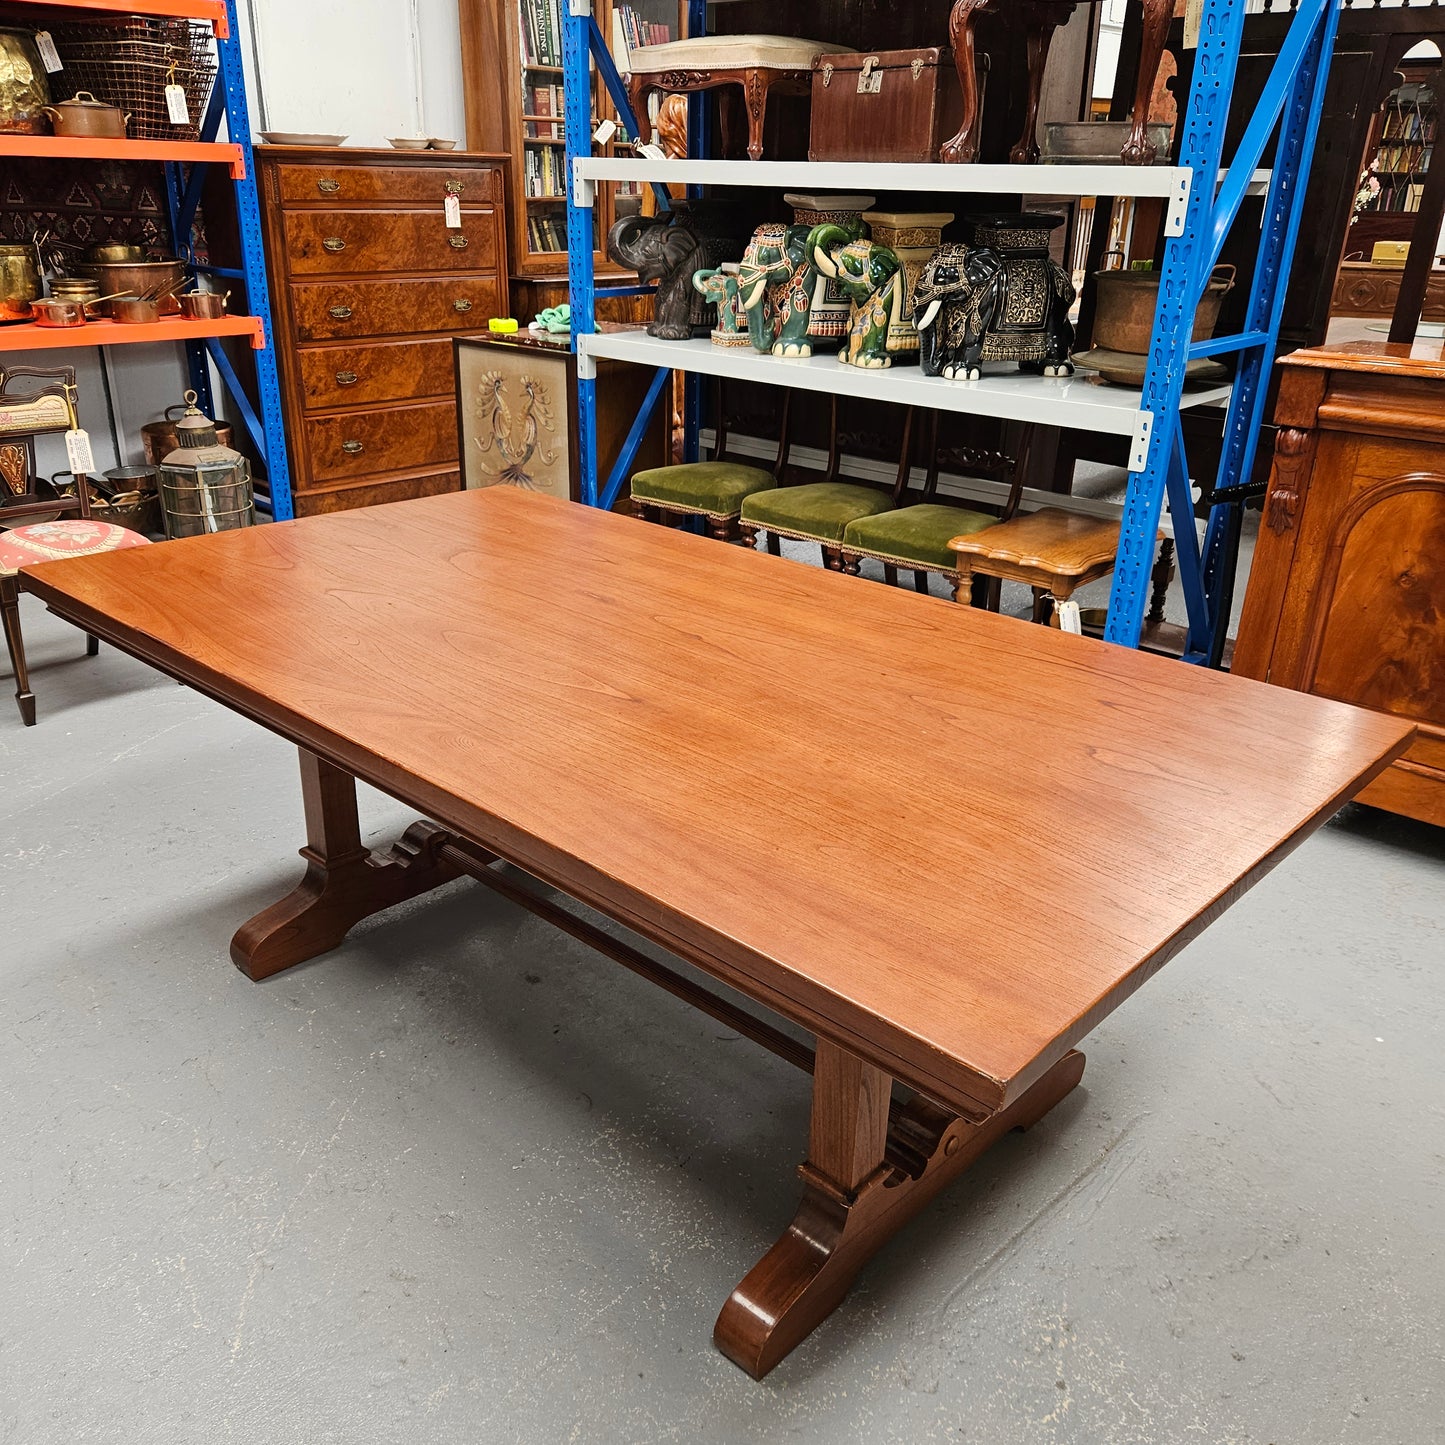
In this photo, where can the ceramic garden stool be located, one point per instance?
(1051, 551)
(46, 542)
(756, 64)
(1039, 19)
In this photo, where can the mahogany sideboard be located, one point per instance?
(1347, 594)
(369, 286)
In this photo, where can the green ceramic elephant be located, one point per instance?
(721, 287)
(777, 280)
(873, 279)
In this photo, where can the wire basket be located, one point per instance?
(130, 62)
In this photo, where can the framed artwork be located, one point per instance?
(517, 414)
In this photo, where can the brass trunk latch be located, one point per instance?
(870, 78)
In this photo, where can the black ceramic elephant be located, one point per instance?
(670, 249)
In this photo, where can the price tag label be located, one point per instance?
(652, 152)
(605, 132)
(1193, 13)
(77, 448)
(49, 55)
(452, 207)
(176, 108)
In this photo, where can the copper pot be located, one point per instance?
(140, 278)
(134, 310)
(84, 115)
(203, 305)
(24, 87)
(1125, 304)
(161, 437)
(19, 282)
(51, 312)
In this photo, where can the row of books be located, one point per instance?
(544, 169)
(1394, 159)
(541, 22)
(1408, 125)
(546, 233)
(1403, 198)
(634, 32)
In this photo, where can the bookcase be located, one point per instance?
(1397, 157)
(512, 64)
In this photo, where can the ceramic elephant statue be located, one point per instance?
(777, 280)
(978, 303)
(873, 279)
(671, 249)
(721, 287)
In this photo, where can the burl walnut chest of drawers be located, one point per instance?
(369, 285)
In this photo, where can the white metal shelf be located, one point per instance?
(1170, 183)
(1078, 401)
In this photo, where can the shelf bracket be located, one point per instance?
(584, 190)
(1139, 452)
(1178, 203)
(586, 362)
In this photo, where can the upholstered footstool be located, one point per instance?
(756, 64)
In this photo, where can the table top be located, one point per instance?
(947, 840)
(1423, 358)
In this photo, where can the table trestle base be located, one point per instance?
(873, 1160)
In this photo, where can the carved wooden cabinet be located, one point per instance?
(369, 285)
(1347, 594)
(1365, 290)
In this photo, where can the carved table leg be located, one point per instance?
(964, 146)
(15, 643)
(1042, 20)
(1160, 577)
(345, 881)
(866, 1176)
(1139, 150)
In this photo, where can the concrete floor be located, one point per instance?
(466, 1181)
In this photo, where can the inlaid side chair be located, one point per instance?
(920, 538)
(35, 528)
(822, 511)
(715, 490)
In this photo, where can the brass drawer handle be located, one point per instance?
(328, 187)
(462, 305)
(340, 313)
(346, 378)
(458, 243)
(455, 188)
(334, 244)
(352, 448)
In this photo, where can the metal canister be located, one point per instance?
(19, 282)
(205, 487)
(157, 438)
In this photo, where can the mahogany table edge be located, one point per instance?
(873, 1162)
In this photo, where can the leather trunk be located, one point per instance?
(896, 106)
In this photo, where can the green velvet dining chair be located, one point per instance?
(916, 538)
(821, 512)
(714, 490)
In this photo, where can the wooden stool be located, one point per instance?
(1055, 553)
(752, 66)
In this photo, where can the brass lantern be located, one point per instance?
(204, 486)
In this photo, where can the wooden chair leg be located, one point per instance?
(1139, 150)
(757, 83)
(920, 582)
(748, 535)
(890, 574)
(15, 643)
(849, 562)
(775, 544)
(964, 146)
(1161, 577)
(720, 528)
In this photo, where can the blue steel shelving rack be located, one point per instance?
(1201, 218)
(183, 194)
(184, 181)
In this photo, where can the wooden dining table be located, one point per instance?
(942, 843)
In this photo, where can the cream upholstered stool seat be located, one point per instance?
(757, 64)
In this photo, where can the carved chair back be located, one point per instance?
(28, 411)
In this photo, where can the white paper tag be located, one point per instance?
(77, 448)
(1193, 13)
(176, 107)
(49, 55)
(652, 152)
(1070, 619)
(452, 208)
(605, 132)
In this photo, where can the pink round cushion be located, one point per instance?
(73, 537)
